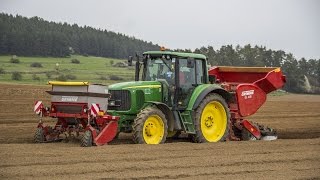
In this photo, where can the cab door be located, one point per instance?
(191, 74)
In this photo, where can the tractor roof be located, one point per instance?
(178, 54)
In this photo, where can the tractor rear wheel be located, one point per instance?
(211, 119)
(86, 140)
(39, 136)
(150, 127)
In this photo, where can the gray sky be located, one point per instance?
(290, 25)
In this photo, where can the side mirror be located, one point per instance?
(190, 63)
(130, 58)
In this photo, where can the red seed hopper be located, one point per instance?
(249, 87)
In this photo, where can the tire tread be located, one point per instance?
(198, 137)
(137, 135)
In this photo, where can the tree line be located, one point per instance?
(36, 37)
(303, 76)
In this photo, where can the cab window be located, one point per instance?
(199, 72)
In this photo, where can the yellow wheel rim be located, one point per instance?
(213, 121)
(153, 130)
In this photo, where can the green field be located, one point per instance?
(92, 69)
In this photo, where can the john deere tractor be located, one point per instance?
(171, 94)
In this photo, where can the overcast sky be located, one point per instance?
(289, 25)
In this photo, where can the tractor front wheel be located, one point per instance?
(86, 140)
(150, 127)
(211, 119)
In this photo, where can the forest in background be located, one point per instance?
(37, 37)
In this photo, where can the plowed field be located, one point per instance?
(295, 155)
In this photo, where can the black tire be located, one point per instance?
(138, 126)
(220, 101)
(39, 136)
(86, 140)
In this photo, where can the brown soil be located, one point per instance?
(294, 156)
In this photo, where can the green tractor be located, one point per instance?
(171, 94)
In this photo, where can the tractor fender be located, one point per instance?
(203, 90)
(167, 111)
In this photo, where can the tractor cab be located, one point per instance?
(178, 73)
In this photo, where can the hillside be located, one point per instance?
(37, 37)
(92, 69)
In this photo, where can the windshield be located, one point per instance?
(159, 69)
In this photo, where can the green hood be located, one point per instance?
(135, 85)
